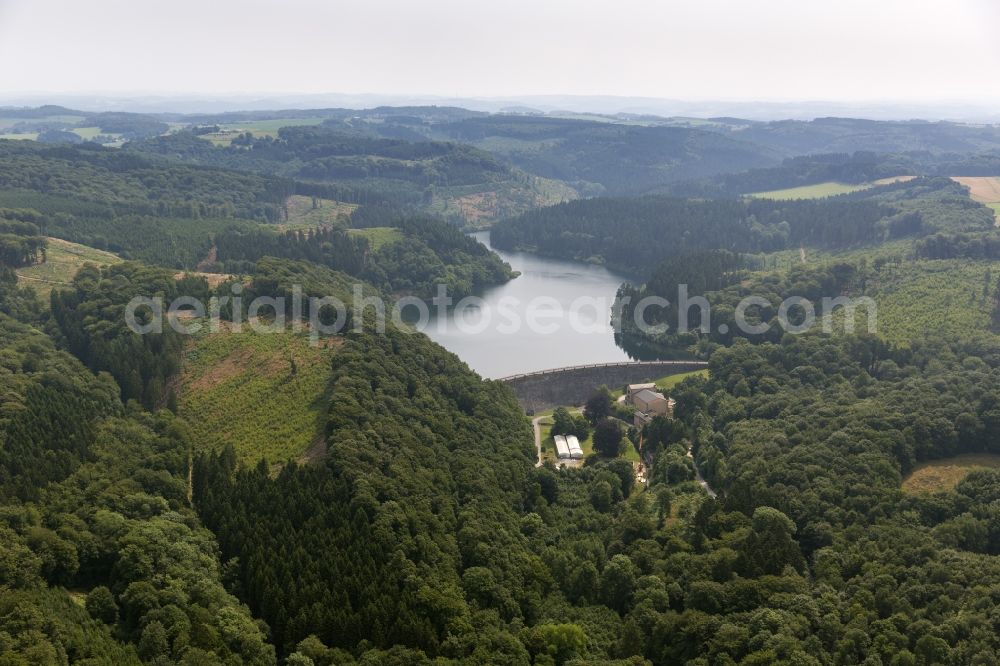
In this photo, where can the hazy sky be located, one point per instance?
(699, 49)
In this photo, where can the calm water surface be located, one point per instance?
(496, 338)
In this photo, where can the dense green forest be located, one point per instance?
(129, 184)
(94, 499)
(858, 168)
(847, 135)
(91, 317)
(419, 528)
(144, 210)
(637, 234)
(430, 252)
(815, 558)
(20, 241)
(600, 157)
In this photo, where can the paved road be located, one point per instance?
(697, 475)
(536, 424)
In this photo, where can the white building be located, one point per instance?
(575, 450)
(562, 447)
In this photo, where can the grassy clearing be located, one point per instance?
(27, 136)
(243, 389)
(670, 381)
(230, 131)
(549, 444)
(86, 132)
(270, 127)
(996, 211)
(816, 191)
(945, 474)
(379, 236)
(894, 179)
(214, 280)
(63, 260)
(828, 189)
(667, 382)
(303, 215)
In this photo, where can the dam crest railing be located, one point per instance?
(591, 366)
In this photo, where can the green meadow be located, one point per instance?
(63, 260)
(817, 191)
(379, 236)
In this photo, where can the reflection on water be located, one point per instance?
(557, 313)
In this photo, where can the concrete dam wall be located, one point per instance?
(538, 391)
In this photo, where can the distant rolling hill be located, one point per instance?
(608, 157)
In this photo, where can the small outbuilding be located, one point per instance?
(562, 447)
(575, 450)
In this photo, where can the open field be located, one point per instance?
(984, 189)
(270, 127)
(816, 191)
(213, 279)
(63, 260)
(86, 132)
(893, 179)
(379, 236)
(28, 136)
(229, 131)
(945, 474)
(266, 394)
(829, 189)
(302, 214)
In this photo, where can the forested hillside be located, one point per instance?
(593, 568)
(125, 203)
(182, 217)
(862, 168)
(607, 157)
(128, 184)
(427, 252)
(364, 498)
(847, 135)
(637, 234)
(94, 500)
(422, 483)
(454, 179)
